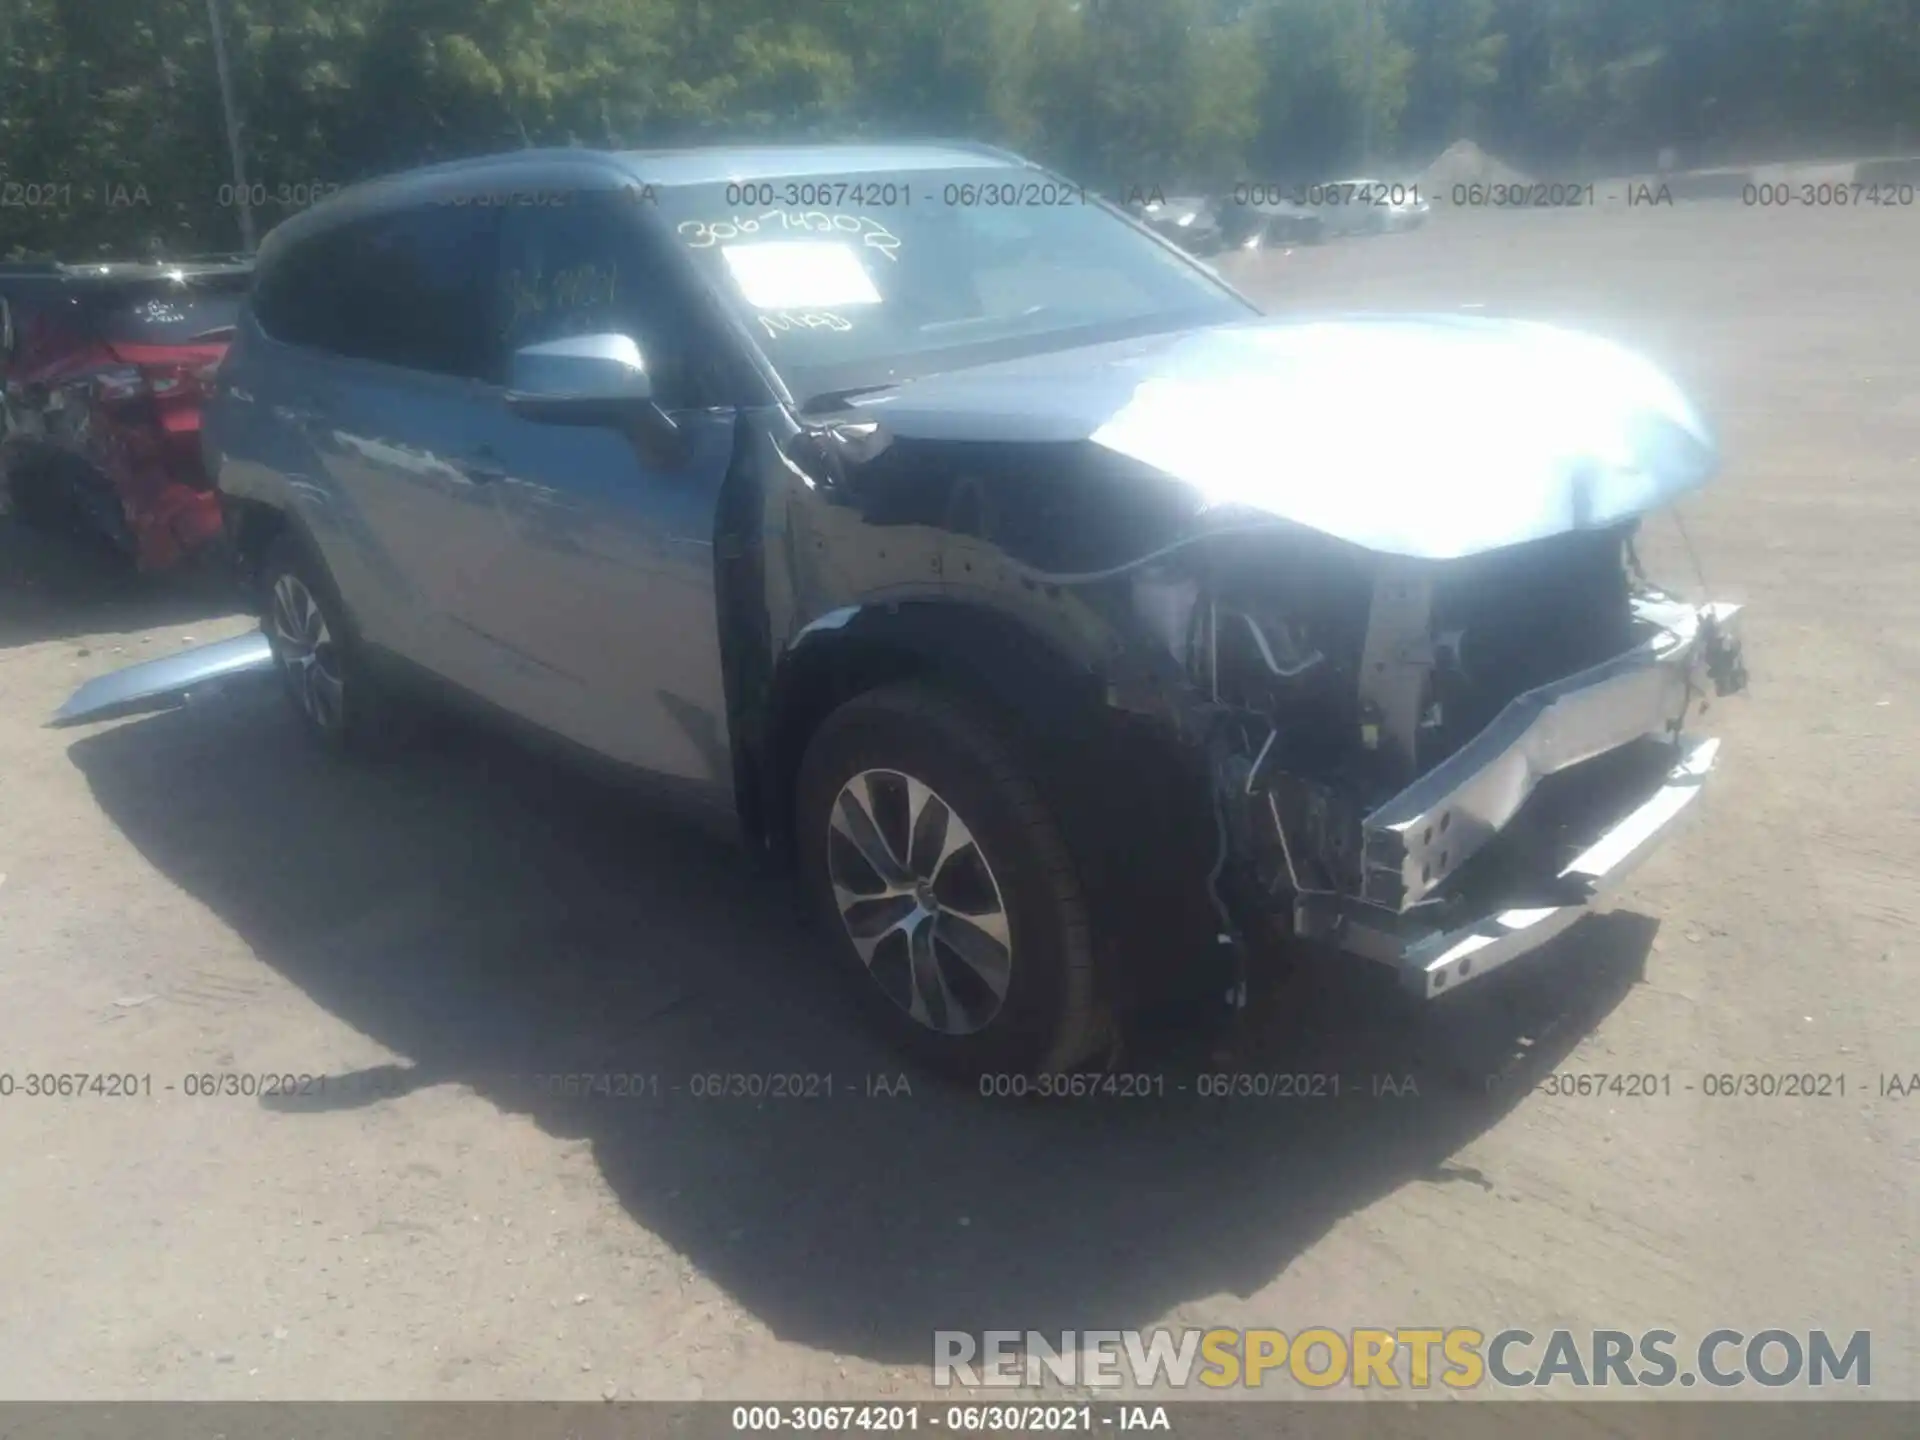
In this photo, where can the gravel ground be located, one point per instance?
(194, 893)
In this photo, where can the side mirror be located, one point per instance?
(585, 380)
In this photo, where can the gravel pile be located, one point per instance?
(1465, 163)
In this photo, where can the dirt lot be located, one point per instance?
(194, 893)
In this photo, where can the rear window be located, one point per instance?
(172, 312)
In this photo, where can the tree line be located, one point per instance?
(112, 134)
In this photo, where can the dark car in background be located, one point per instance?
(1367, 206)
(1190, 221)
(104, 368)
(1257, 222)
(942, 551)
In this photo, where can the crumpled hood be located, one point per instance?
(1430, 437)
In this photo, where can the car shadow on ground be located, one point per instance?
(56, 586)
(487, 915)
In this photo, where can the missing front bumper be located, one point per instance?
(1416, 842)
(1432, 959)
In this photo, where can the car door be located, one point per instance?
(392, 397)
(607, 587)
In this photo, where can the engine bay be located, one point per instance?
(1338, 691)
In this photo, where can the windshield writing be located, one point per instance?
(844, 298)
(701, 234)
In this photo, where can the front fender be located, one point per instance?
(851, 561)
(1042, 686)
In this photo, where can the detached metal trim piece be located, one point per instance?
(1415, 841)
(1432, 962)
(155, 682)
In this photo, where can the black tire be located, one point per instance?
(63, 497)
(34, 498)
(47, 497)
(1052, 1017)
(364, 719)
(102, 517)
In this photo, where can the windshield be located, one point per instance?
(855, 281)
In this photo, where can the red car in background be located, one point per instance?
(105, 368)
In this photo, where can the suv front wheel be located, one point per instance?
(945, 884)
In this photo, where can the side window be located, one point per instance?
(587, 267)
(415, 290)
(407, 288)
(296, 298)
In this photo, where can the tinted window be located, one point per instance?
(46, 321)
(588, 266)
(296, 298)
(419, 290)
(407, 289)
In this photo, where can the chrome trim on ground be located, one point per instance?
(154, 682)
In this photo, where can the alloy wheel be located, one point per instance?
(919, 901)
(306, 651)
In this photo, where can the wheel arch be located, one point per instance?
(981, 653)
(252, 527)
(1123, 789)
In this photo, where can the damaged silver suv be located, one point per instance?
(1068, 626)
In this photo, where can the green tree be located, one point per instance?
(1142, 93)
(110, 115)
(1321, 87)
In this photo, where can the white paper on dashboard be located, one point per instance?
(800, 275)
